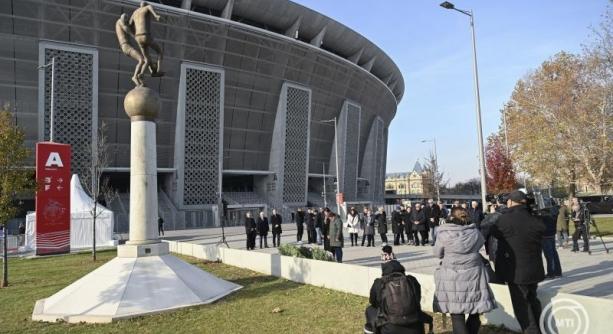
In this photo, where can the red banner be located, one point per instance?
(52, 198)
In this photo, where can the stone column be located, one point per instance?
(142, 105)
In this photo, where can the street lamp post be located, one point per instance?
(323, 167)
(51, 104)
(338, 205)
(435, 176)
(469, 13)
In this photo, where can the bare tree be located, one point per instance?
(434, 176)
(97, 186)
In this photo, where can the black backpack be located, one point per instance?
(400, 301)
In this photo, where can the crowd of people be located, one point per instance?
(514, 238)
(513, 235)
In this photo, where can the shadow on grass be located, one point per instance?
(259, 286)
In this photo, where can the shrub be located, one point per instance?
(304, 252)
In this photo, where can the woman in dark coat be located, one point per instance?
(325, 229)
(250, 231)
(262, 228)
(405, 214)
(381, 225)
(276, 220)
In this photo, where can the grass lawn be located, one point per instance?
(305, 309)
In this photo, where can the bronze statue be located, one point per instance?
(139, 27)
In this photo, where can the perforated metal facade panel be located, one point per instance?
(75, 100)
(199, 127)
(351, 151)
(296, 143)
(373, 164)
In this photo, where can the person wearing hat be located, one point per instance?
(519, 259)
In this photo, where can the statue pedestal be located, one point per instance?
(143, 278)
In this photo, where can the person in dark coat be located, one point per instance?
(518, 259)
(160, 226)
(397, 227)
(299, 224)
(325, 230)
(405, 214)
(491, 243)
(310, 225)
(381, 225)
(433, 216)
(580, 229)
(475, 213)
(319, 224)
(554, 268)
(262, 228)
(375, 321)
(276, 220)
(418, 219)
(250, 231)
(336, 237)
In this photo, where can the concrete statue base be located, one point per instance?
(128, 287)
(144, 278)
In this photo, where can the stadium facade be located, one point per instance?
(247, 85)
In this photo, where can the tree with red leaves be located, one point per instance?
(500, 172)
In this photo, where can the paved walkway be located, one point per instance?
(584, 274)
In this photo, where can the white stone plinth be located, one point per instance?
(157, 249)
(143, 184)
(130, 287)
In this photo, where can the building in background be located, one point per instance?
(247, 85)
(408, 183)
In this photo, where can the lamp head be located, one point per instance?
(447, 5)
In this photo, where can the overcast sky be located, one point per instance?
(432, 48)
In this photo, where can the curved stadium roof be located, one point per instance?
(280, 15)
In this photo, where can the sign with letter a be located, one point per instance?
(52, 198)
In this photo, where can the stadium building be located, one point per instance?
(247, 87)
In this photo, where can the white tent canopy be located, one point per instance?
(81, 221)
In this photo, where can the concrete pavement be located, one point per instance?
(583, 274)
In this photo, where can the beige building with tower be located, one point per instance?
(406, 183)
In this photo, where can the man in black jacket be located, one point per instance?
(319, 224)
(433, 214)
(310, 225)
(518, 259)
(376, 321)
(250, 231)
(475, 213)
(397, 227)
(418, 219)
(299, 224)
(405, 214)
(276, 220)
(381, 225)
(262, 228)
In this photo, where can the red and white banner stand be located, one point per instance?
(52, 198)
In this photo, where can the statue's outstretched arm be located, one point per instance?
(155, 15)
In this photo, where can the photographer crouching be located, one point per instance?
(518, 259)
